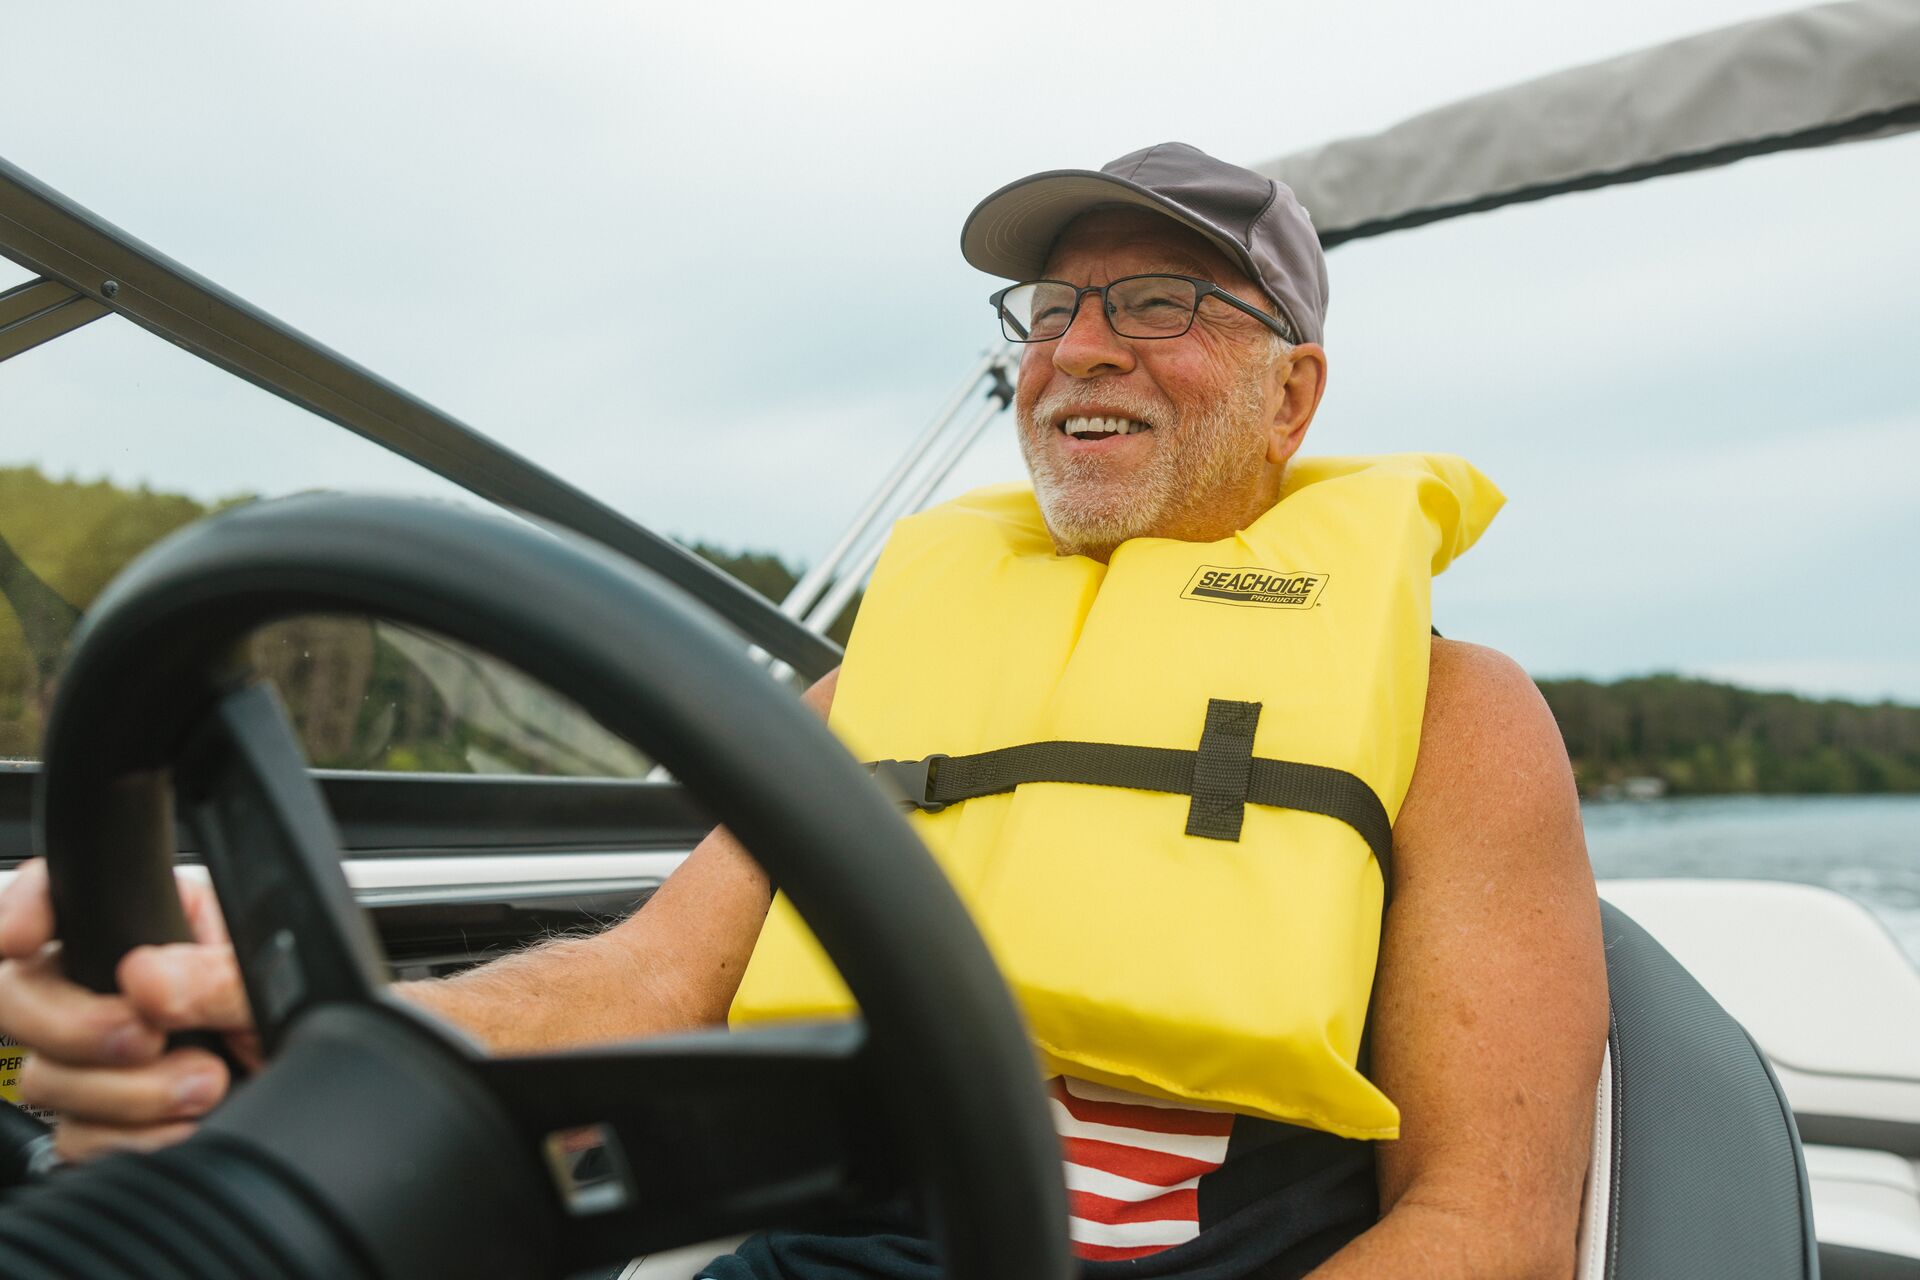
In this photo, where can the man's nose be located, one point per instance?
(1090, 348)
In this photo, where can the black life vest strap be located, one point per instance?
(1222, 776)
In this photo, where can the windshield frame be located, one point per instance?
(89, 267)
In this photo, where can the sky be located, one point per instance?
(702, 261)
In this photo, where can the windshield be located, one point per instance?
(120, 439)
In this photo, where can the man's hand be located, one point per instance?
(102, 1061)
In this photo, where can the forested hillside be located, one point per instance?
(1704, 738)
(361, 696)
(61, 541)
(366, 697)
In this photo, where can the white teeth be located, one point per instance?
(1101, 426)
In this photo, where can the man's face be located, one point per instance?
(1194, 462)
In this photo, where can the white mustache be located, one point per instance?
(1055, 405)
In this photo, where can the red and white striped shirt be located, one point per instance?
(1133, 1167)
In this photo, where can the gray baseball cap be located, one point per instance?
(1253, 220)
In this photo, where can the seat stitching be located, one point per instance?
(1619, 1106)
(1596, 1198)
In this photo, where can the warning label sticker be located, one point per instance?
(12, 1058)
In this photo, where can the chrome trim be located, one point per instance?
(423, 896)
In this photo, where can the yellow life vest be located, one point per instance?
(1227, 967)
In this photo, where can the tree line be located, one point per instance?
(1697, 737)
(1700, 737)
(361, 695)
(379, 698)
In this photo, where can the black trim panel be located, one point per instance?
(431, 939)
(1901, 1137)
(1829, 1073)
(398, 815)
(1844, 1262)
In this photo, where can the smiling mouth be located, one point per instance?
(1100, 428)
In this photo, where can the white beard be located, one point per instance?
(1200, 456)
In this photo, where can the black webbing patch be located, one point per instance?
(1222, 768)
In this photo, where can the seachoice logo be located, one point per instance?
(1262, 588)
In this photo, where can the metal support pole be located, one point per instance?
(827, 611)
(806, 591)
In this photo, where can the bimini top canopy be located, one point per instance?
(1835, 73)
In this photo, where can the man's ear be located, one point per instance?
(1305, 371)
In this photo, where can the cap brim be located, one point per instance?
(1011, 232)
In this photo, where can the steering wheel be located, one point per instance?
(379, 1142)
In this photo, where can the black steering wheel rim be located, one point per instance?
(159, 650)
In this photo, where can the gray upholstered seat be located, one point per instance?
(1697, 1167)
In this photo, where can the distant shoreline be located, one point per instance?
(1639, 738)
(1664, 735)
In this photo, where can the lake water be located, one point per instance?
(1867, 847)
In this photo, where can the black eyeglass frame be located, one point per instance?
(1203, 289)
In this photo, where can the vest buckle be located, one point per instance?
(910, 782)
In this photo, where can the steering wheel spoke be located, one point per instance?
(271, 849)
(672, 1141)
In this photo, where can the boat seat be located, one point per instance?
(1697, 1168)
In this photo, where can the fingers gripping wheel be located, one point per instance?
(624, 1148)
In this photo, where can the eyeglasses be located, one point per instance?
(1155, 306)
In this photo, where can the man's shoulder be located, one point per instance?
(1488, 739)
(1472, 679)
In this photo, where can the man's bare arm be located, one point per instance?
(102, 1061)
(671, 966)
(1490, 1013)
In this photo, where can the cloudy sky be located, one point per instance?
(701, 260)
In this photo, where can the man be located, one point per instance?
(1172, 367)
